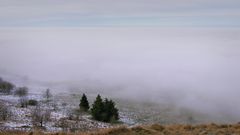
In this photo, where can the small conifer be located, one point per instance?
(84, 105)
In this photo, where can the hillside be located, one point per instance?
(61, 115)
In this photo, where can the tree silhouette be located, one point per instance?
(6, 87)
(97, 108)
(48, 95)
(104, 111)
(40, 116)
(21, 91)
(110, 111)
(84, 105)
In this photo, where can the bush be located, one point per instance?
(6, 87)
(21, 91)
(23, 102)
(47, 95)
(5, 113)
(40, 116)
(32, 102)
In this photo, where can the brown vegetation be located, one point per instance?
(154, 129)
(5, 113)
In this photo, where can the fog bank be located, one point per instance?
(196, 68)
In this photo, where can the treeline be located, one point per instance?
(105, 111)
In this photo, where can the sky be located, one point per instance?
(185, 51)
(75, 13)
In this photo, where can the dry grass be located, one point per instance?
(155, 129)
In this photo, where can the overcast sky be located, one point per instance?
(72, 13)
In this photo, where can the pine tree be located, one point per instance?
(84, 105)
(106, 114)
(113, 111)
(110, 111)
(97, 109)
(104, 111)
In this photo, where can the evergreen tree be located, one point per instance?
(113, 111)
(106, 114)
(104, 111)
(110, 111)
(97, 109)
(84, 105)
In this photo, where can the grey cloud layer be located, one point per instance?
(100, 12)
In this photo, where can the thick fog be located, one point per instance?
(197, 68)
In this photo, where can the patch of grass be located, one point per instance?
(155, 129)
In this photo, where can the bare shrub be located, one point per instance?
(23, 101)
(5, 112)
(40, 116)
(47, 95)
(21, 91)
